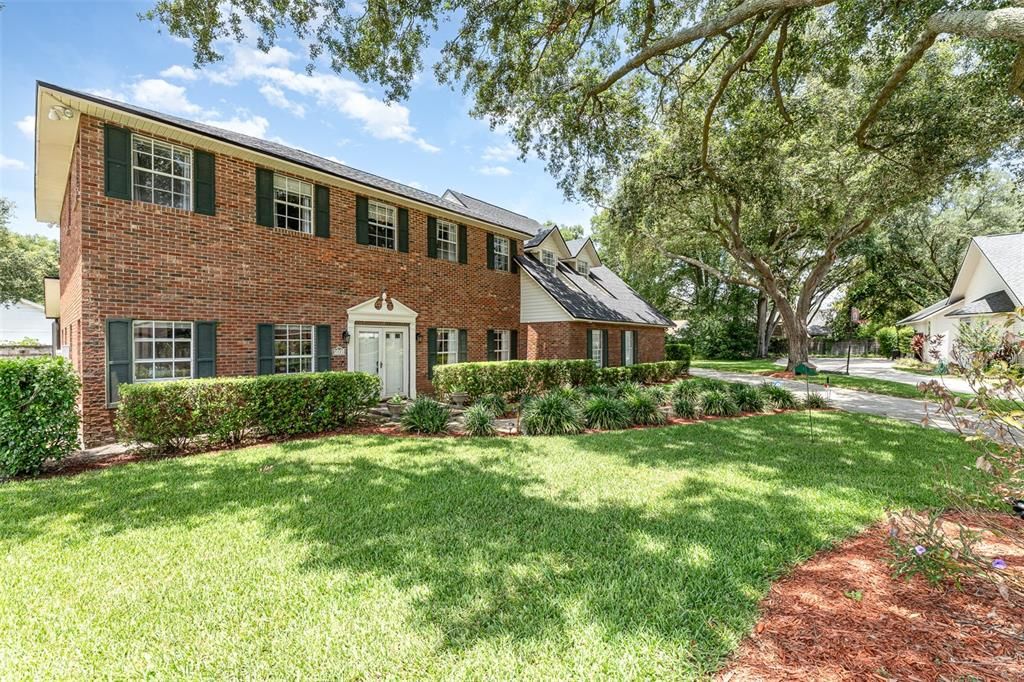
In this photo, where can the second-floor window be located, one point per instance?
(161, 173)
(293, 204)
(382, 224)
(447, 240)
(548, 259)
(501, 259)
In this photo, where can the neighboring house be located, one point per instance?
(989, 285)
(191, 251)
(24, 320)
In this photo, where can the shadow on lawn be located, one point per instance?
(488, 555)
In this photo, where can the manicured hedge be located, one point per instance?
(679, 351)
(173, 413)
(530, 377)
(38, 413)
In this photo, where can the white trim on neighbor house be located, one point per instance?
(384, 311)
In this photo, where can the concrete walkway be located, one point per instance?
(845, 399)
(880, 368)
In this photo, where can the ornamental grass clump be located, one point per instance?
(747, 398)
(718, 403)
(425, 415)
(687, 407)
(686, 388)
(777, 397)
(493, 402)
(643, 409)
(551, 414)
(478, 420)
(816, 401)
(709, 384)
(659, 393)
(605, 413)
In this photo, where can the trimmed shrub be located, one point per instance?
(643, 409)
(426, 415)
(816, 401)
(38, 413)
(687, 407)
(679, 352)
(605, 413)
(718, 403)
(512, 377)
(170, 414)
(478, 420)
(644, 373)
(549, 415)
(493, 402)
(777, 397)
(747, 398)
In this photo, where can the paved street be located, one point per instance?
(880, 368)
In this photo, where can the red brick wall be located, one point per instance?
(554, 340)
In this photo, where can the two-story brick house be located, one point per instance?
(192, 251)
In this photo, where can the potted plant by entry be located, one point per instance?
(459, 398)
(396, 404)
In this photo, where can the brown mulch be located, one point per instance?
(812, 627)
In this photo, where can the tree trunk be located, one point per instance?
(762, 325)
(799, 345)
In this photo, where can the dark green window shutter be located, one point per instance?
(513, 266)
(513, 351)
(622, 347)
(119, 357)
(205, 183)
(604, 347)
(432, 237)
(264, 197)
(117, 167)
(323, 211)
(490, 345)
(463, 345)
(431, 351)
(362, 220)
(590, 345)
(403, 230)
(463, 245)
(264, 349)
(204, 349)
(490, 251)
(323, 348)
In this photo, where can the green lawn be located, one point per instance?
(634, 554)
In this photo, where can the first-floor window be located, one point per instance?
(596, 352)
(163, 350)
(293, 348)
(629, 348)
(447, 347)
(502, 344)
(501, 259)
(447, 240)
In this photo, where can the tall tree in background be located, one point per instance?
(24, 261)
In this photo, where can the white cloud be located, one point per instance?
(255, 126)
(505, 152)
(11, 164)
(27, 126)
(381, 120)
(276, 96)
(180, 72)
(493, 170)
(158, 94)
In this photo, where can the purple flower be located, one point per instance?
(998, 564)
(919, 550)
(893, 532)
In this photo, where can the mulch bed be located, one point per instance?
(900, 629)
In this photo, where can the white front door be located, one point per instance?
(382, 351)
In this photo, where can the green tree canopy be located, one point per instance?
(24, 261)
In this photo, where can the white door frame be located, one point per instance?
(385, 311)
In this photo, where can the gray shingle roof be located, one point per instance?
(575, 245)
(1006, 253)
(601, 296)
(538, 238)
(995, 302)
(473, 208)
(925, 312)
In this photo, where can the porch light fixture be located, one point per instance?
(58, 113)
(345, 336)
(419, 336)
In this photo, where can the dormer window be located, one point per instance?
(548, 259)
(583, 267)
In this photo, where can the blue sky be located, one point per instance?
(428, 141)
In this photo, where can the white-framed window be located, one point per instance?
(629, 348)
(596, 351)
(161, 173)
(382, 222)
(162, 350)
(583, 267)
(502, 344)
(447, 347)
(293, 348)
(501, 257)
(293, 204)
(548, 259)
(447, 240)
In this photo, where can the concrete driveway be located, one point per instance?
(879, 368)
